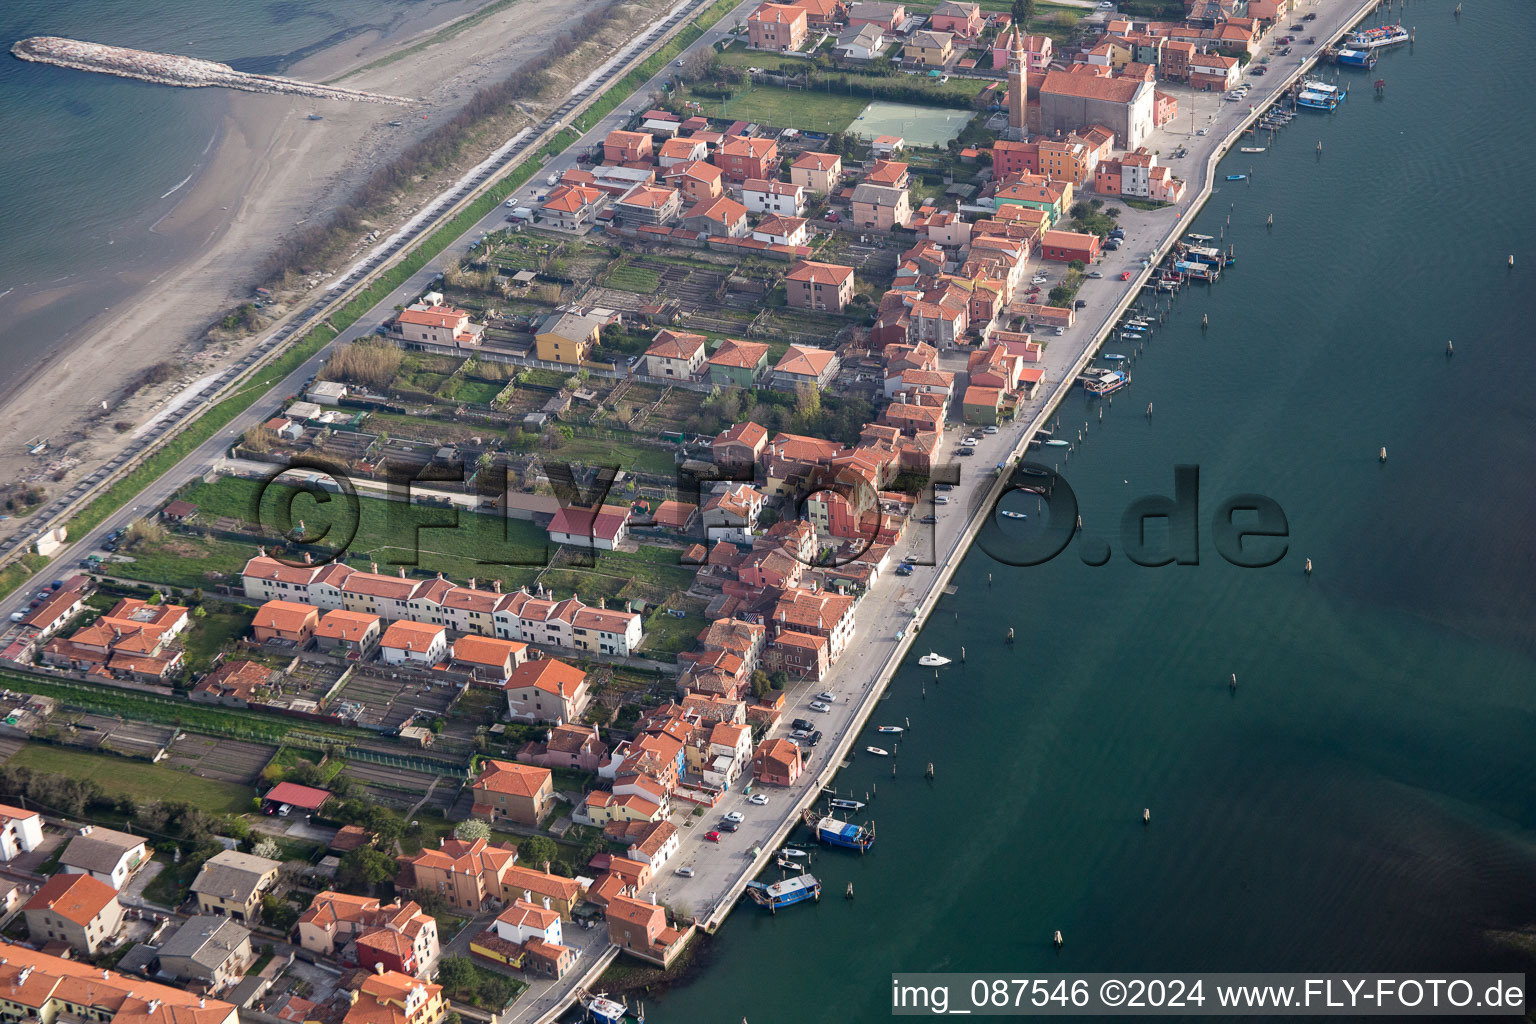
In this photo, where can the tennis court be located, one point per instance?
(920, 126)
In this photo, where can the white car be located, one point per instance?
(735, 816)
(939, 499)
(817, 705)
(757, 798)
(686, 872)
(1039, 279)
(1105, 5)
(826, 695)
(990, 430)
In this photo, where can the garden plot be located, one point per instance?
(222, 759)
(374, 700)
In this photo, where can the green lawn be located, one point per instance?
(666, 635)
(787, 108)
(208, 635)
(180, 561)
(477, 392)
(635, 279)
(138, 779)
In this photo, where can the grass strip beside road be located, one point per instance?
(216, 418)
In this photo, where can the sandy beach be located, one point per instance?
(269, 170)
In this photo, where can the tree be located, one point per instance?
(471, 829)
(1076, 265)
(1023, 13)
(457, 974)
(761, 684)
(278, 912)
(365, 868)
(267, 849)
(535, 850)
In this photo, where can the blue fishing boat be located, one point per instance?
(1237, 177)
(786, 893)
(1112, 357)
(1317, 95)
(1355, 59)
(839, 833)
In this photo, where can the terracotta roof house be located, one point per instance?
(287, 621)
(777, 762)
(641, 930)
(779, 230)
(813, 285)
(466, 874)
(1123, 105)
(413, 643)
(547, 690)
(649, 204)
(818, 172)
(677, 355)
(489, 660)
(622, 147)
(603, 528)
(566, 746)
(356, 632)
(739, 445)
(421, 324)
(890, 173)
(508, 791)
(721, 216)
(76, 909)
(742, 158)
(777, 27)
(235, 682)
(573, 207)
(696, 180)
(391, 997)
(42, 987)
(739, 363)
(803, 366)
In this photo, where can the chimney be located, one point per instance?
(472, 582)
(629, 606)
(496, 586)
(261, 551)
(309, 559)
(440, 840)
(378, 968)
(402, 572)
(546, 868)
(602, 603)
(653, 897)
(546, 902)
(528, 894)
(373, 567)
(549, 734)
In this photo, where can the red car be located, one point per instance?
(713, 837)
(1125, 275)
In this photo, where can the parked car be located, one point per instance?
(946, 488)
(736, 817)
(801, 723)
(758, 798)
(815, 739)
(1079, 304)
(1095, 274)
(1125, 275)
(826, 695)
(939, 499)
(966, 451)
(930, 519)
(713, 837)
(686, 872)
(1258, 70)
(728, 826)
(903, 570)
(822, 706)
(799, 734)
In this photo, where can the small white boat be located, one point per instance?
(1013, 515)
(1056, 442)
(1252, 149)
(932, 660)
(890, 728)
(792, 854)
(847, 805)
(878, 752)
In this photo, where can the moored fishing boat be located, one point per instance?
(843, 804)
(1106, 383)
(890, 729)
(933, 660)
(1381, 35)
(786, 893)
(1348, 58)
(1316, 95)
(878, 751)
(833, 832)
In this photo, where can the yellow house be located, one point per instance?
(930, 49)
(567, 338)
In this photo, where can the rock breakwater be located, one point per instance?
(173, 69)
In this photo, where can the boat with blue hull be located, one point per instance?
(1317, 95)
(833, 832)
(786, 893)
(1355, 59)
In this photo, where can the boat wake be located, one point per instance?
(180, 183)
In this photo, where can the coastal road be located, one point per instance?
(201, 459)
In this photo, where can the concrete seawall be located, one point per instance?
(171, 69)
